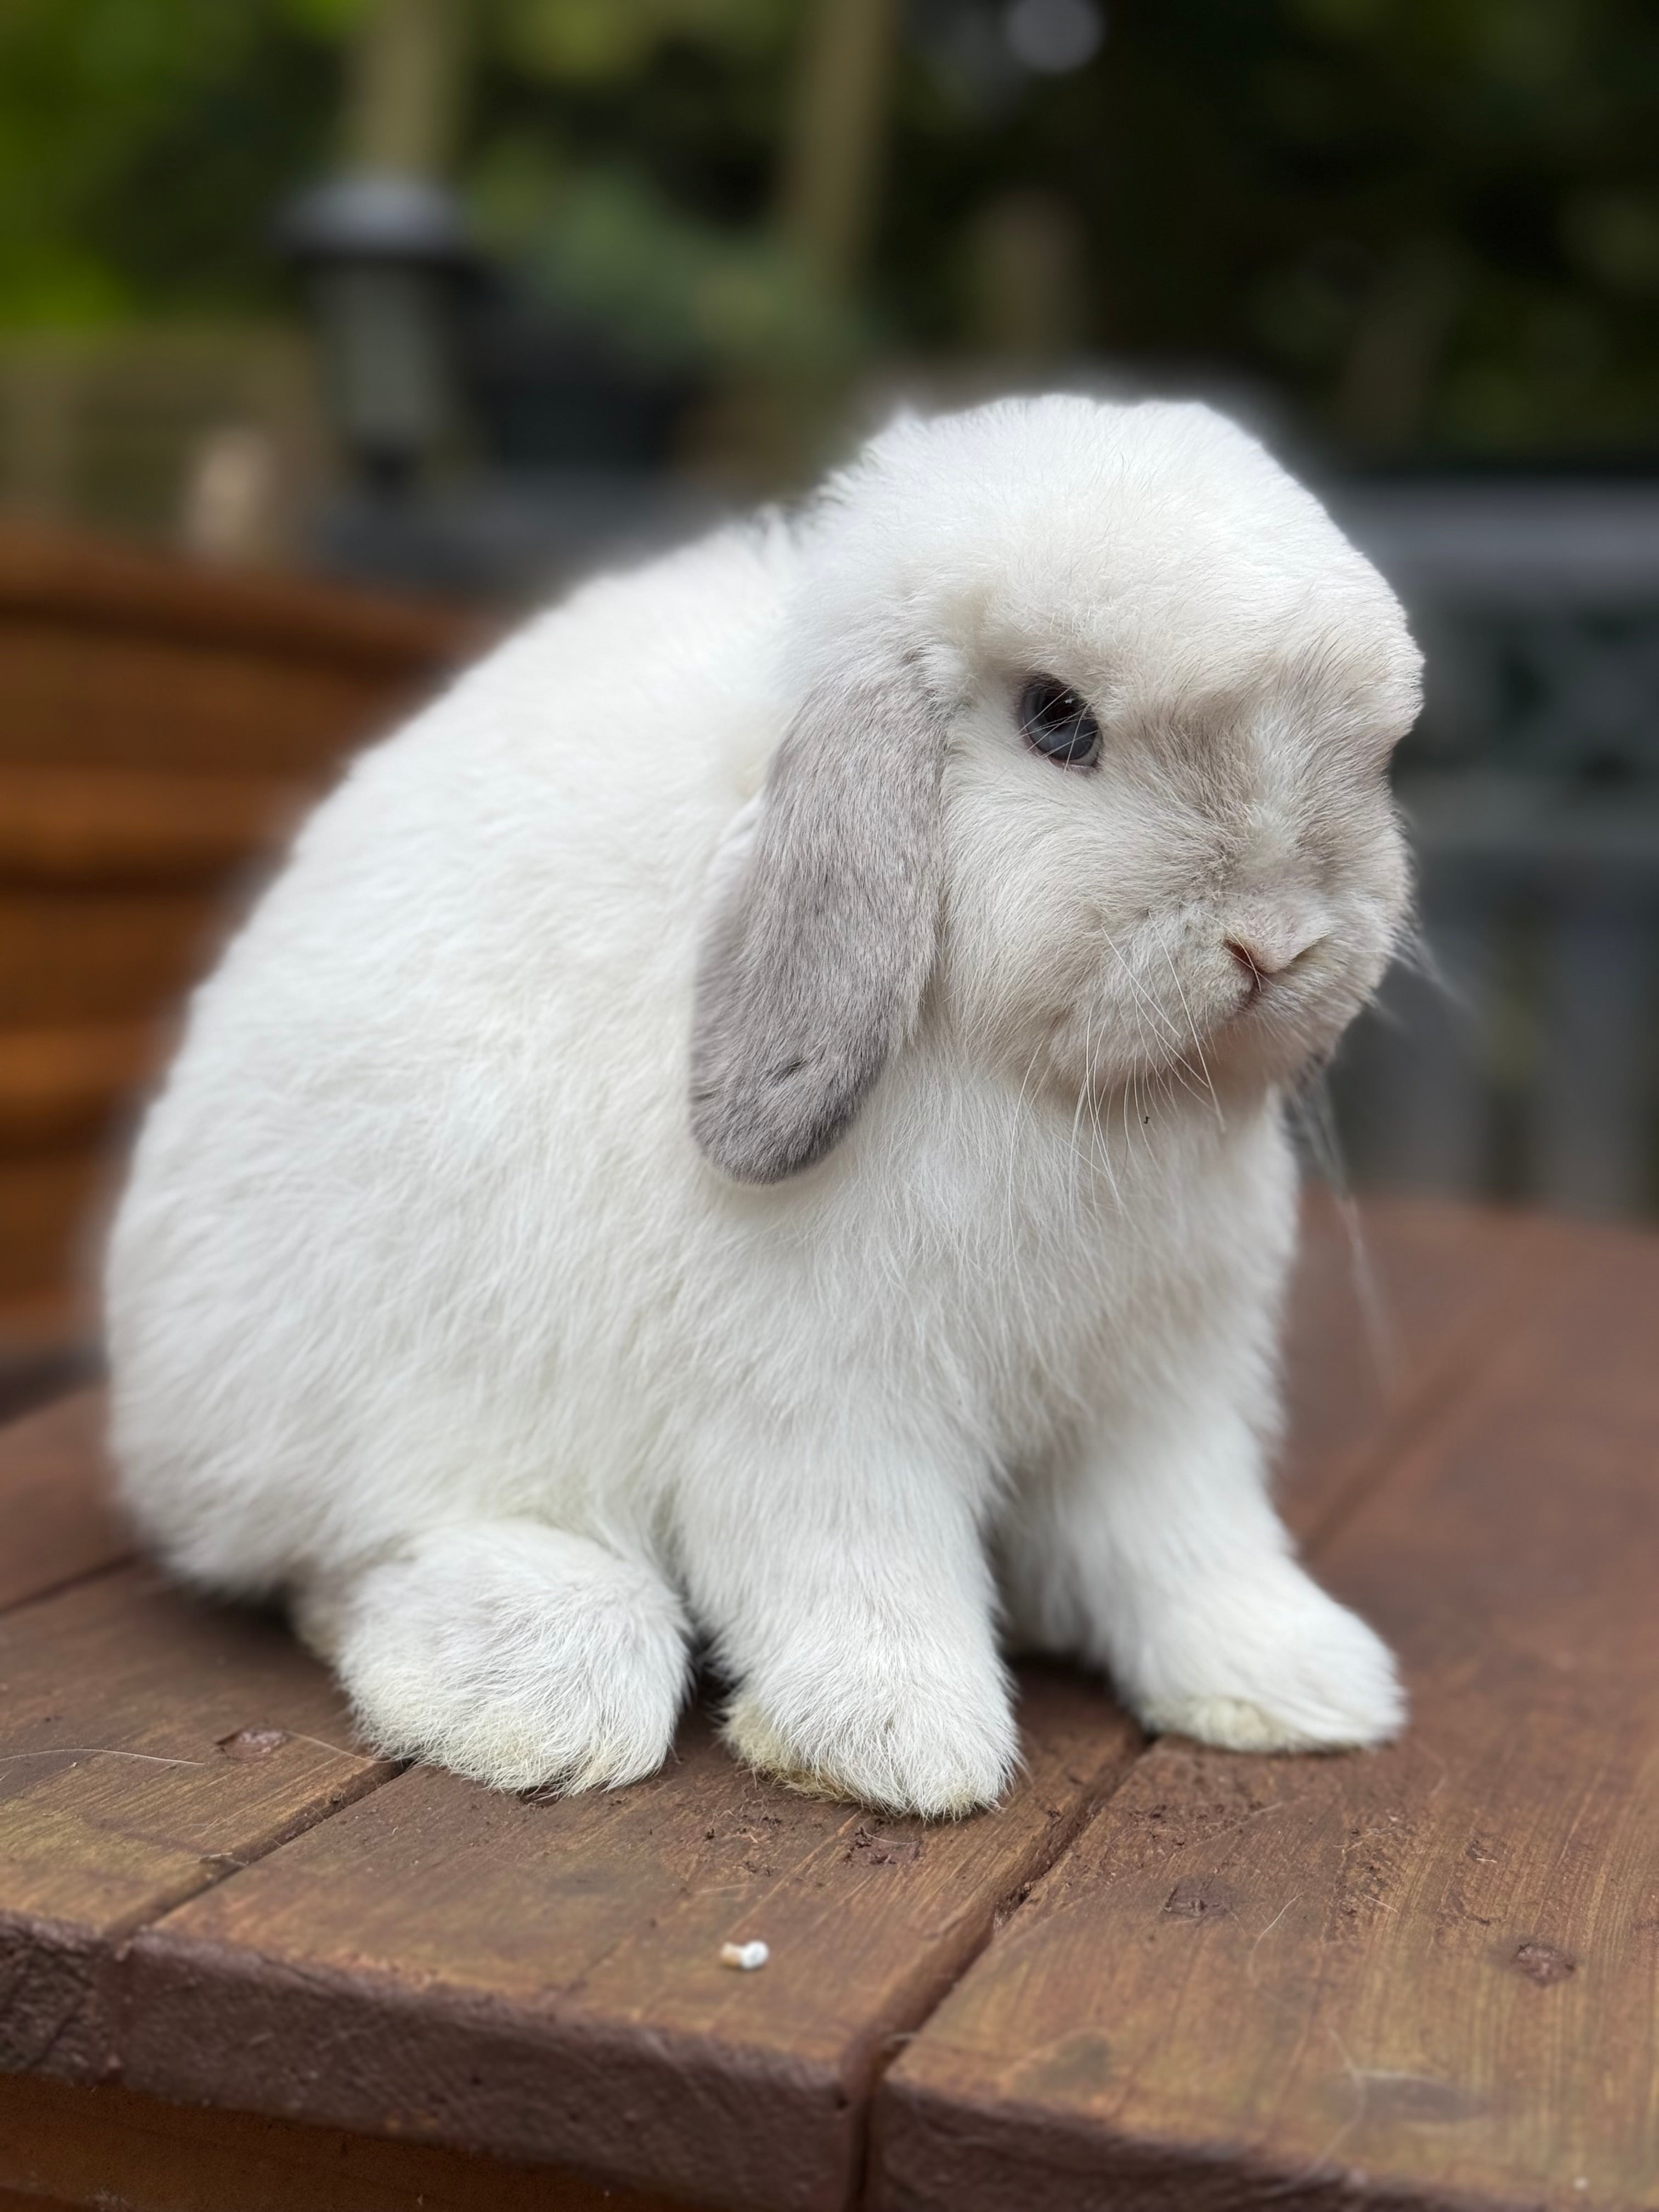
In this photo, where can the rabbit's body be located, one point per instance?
(427, 1310)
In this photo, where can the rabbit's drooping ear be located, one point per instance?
(820, 944)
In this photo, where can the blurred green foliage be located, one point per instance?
(142, 142)
(1430, 225)
(1437, 221)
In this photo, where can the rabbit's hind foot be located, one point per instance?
(510, 1652)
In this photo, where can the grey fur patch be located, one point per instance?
(819, 948)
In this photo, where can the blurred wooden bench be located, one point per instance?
(245, 1968)
(161, 725)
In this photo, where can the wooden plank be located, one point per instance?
(110, 826)
(1426, 1976)
(1389, 1307)
(101, 2146)
(47, 1348)
(548, 1975)
(141, 702)
(87, 583)
(72, 958)
(538, 1980)
(51, 1211)
(544, 1980)
(60, 1084)
(149, 1745)
(55, 1500)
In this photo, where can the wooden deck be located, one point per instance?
(161, 728)
(243, 1967)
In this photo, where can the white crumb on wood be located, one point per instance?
(745, 1957)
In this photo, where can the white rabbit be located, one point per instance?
(757, 1118)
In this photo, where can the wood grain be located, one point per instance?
(61, 1084)
(103, 2147)
(1390, 1306)
(1427, 1976)
(108, 827)
(545, 1980)
(45, 1353)
(55, 1501)
(76, 958)
(149, 1746)
(52, 1207)
(540, 1981)
(95, 586)
(576, 1946)
(134, 702)
(159, 728)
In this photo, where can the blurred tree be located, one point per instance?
(407, 68)
(836, 152)
(1401, 211)
(1430, 227)
(142, 142)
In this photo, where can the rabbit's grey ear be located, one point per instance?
(820, 939)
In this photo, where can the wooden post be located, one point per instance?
(832, 165)
(404, 103)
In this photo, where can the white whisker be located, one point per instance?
(1175, 977)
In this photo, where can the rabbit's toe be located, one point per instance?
(516, 1655)
(909, 1749)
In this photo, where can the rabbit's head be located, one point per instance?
(1091, 756)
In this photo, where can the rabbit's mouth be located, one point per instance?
(1280, 1022)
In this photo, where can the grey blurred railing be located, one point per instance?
(1518, 1058)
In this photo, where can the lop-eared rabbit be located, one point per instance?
(757, 1123)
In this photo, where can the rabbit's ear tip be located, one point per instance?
(755, 1159)
(760, 1132)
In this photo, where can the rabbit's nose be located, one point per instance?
(1249, 959)
(1261, 960)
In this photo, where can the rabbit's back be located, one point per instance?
(417, 1101)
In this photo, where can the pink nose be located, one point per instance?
(1258, 966)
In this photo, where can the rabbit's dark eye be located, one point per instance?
(1057, 724)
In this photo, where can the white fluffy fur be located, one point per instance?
(425, 1310)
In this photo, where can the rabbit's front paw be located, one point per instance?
(1285, 1669)
(923, 1744)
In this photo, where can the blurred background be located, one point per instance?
(332, 331)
